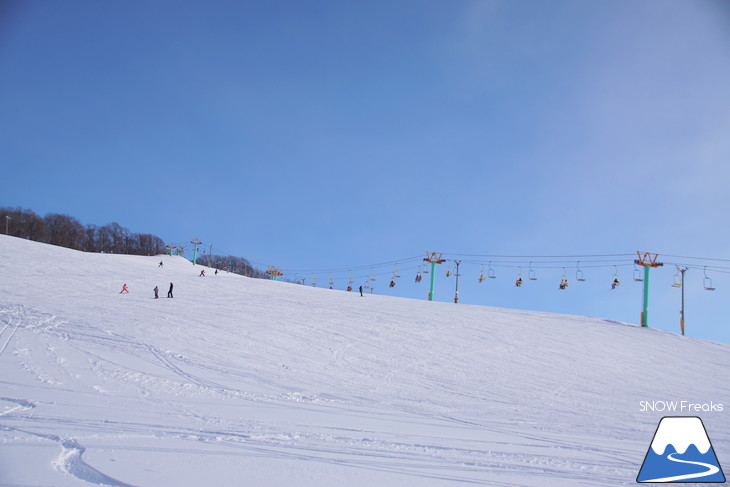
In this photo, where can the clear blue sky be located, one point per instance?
(337, 134)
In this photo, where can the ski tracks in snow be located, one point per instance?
(70, 461)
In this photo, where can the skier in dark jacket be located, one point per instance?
(360, 290)
(169, 293)
(156, 291)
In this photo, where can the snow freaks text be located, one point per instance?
(679, 407)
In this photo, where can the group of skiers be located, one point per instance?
(156, 290)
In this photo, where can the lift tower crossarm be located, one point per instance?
(274, 272)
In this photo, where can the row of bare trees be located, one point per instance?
(237, 265)
(67, 231)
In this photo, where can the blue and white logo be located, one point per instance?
(681, 452)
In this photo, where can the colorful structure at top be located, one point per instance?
(274, 272)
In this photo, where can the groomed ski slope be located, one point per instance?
(239, 381)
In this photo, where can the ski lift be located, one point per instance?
(481, 276)
(637, 274)
(531, 273)
(579, 276)
(490, 271)
(395, 276)
(615, 283)
(677, 280)
(518, 279)
(563, 280)
(707, 282)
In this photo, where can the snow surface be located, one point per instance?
(239, 381)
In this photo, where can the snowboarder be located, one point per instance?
(169, 293)
(216, 272)
(156, 291)
(125, 289)
(161, 264)
(202, 273)
(360, 290)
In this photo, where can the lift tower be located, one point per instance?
(648, 260)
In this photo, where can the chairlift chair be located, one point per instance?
(563, 280)
(707, 282)
(579, 276)
(677, 280)
(615, 281)
(531, 273)
(637, 274)
(481, 276)
(490, 272)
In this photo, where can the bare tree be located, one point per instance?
(65, 231)
(24, 224)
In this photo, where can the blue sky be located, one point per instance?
(317, 135)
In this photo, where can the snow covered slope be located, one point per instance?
(240, 381)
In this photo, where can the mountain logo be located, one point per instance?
(681, 452)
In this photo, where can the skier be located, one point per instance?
(615, 283)
(161, 264)
(156, 291)
(216, 272)
(392, 283)
(169, 293)
(563, 284)
(349, 288)
(518, 282)
(202, 273)
(125, 289)
(360, 290)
